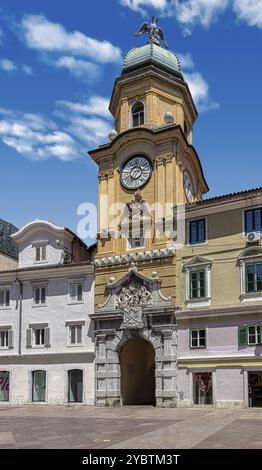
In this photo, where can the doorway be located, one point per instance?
(137, 360)
(255, 389)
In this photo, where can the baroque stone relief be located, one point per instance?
(132, 296)
(131, 300)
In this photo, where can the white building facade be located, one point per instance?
(46, 339)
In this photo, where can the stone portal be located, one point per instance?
(137, 361)
(136, 343)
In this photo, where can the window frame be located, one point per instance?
(255, 281)
(71, 299)
(138, 114)
(198, 338)
(245, 211)
(8, 330)
(76, 327)
(40, 287)
(32, 372)
(6, 289)
(244, 335)
(190, 221)
(197, 272)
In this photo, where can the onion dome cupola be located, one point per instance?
(151, 91)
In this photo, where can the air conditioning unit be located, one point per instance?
(253, 237)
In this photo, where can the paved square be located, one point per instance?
(133, 427)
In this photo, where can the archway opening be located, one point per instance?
(137, 359)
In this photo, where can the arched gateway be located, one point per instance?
(137, 366)
(135, 343)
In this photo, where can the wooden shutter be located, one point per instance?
(7, 298)
(79, 292)
(242, 336)
(29, 338)
(43, 295)
(47, 337)
(2, 298)
(10, 339)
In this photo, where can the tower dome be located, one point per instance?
(152, 54)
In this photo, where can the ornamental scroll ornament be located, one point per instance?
(131, 300)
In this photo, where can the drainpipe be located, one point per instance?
(20, 315)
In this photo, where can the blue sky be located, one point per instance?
(58, 63)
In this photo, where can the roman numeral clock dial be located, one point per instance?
(136, 172)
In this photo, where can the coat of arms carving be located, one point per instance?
(131, 300)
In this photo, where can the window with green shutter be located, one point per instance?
(250, 335)
(242, 335)
(254, 277)
(197, 284)
(197, 338)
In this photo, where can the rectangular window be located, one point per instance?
(75, 334)
(202, 388)
(254, 277)
(4, 343)
(253, 220)
(40, 295)
(40, 253)
(39, 336)
(198, 338)
(76, 292)
(4, 298)
(197, 284)
(254, 334)
(197, 231)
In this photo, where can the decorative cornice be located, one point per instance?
(129, 257)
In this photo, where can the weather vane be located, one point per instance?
(155, 33)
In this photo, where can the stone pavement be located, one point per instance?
(130, 427)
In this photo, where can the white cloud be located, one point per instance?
(197, 84)
(27, 69)
(46, 36)
(7, 65)
(96, 105)
(138, 5)
(36, 137)
(91, 130)
(82, 125)
(203, 12)
(186, 61)
(79, 68)
(249, 11)
(200, 91)
(89, 120)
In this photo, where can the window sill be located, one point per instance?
(197, 347)
(80, 345)
(198, 243)
(39, 305)
(197, 303)
(76, 303)
(251, 297)
(5, 308)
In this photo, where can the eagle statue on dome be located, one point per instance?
(155, 33)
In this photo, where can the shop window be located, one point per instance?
(75, 386)
(203, 393)
(4, 385)
(38, 385)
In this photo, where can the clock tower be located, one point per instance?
(148, 171)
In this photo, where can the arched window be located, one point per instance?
(38, 385)
(138, 114)
(75, 386)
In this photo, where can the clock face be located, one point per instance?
(136, 172)
(188, 188)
